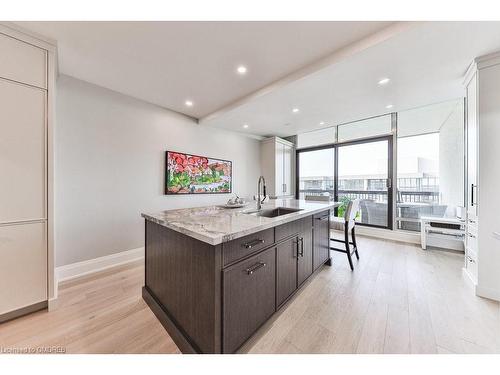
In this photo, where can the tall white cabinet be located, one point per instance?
(471, 240)
(278, 167)
(25, 262)
(482, 243)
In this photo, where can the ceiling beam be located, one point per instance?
(335, 57)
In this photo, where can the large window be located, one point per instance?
(361, 171)
(316, 138)
(364, 172)
(430, 163)
(358, 164)
(366, 128)
(316, 172)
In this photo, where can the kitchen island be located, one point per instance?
(213, 276)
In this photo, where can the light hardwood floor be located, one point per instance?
(399, 299)
(101, 314)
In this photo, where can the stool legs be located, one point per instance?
(353, 235)
(346, 243)
(347, 249)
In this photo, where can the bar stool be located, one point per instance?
(346, 224)
(339, 224)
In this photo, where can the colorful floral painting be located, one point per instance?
(192, 174)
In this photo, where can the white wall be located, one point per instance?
(110, 152)
(451, 157)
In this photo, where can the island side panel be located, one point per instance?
(184, 276)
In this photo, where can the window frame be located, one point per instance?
(335, 146)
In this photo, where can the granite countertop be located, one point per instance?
(215, 225)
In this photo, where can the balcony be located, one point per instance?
(410, 205)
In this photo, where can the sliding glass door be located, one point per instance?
(351, 170)
(364, 170)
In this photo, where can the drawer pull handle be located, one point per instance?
(255, 267)
(472, 236)
(324, 218)
(472, 201)
(470, 259)
(253, 243)
(472, 221)
(301, 252)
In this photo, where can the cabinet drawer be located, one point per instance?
(294, 227)
(23, 62)
(472, 222)
(244, 246)
(248, 297)
(471, 263)
(23, 266)
(471, 239)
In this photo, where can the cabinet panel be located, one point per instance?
(321, 239)
(22, 152)
(472, 148)
(280, 170)
(278, 165)
(287, 170)
(305, 256)
(23, 266)
(287, 269)
(249, 297)
(22, 62)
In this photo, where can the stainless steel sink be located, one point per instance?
(274, 212)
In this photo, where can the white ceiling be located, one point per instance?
(428, 119)
(426, 64)
(166, 63)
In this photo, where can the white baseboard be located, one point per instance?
(409, 237)
(388, 234)
(87, 267)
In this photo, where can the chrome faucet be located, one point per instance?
(259, 201)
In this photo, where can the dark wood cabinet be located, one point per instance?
(292, 228)
(249, 297)
(240, 248)
(305, 253)
(321, 239)
(286, 269)
(212, 298)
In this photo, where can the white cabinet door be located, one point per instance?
(23, 266)
(22, 62)
(279, 181)
(287, 170)
(472, 148)
(22, 152)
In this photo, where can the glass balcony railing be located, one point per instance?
(410, 205)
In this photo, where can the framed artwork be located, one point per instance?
(193, 174)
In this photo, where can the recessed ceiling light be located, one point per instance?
(188, 103)
(245, 126)
(389, 106)
(241, 69)
(384, 81)
(322, 123)
(295, 110)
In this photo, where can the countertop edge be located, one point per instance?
(229, 237)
